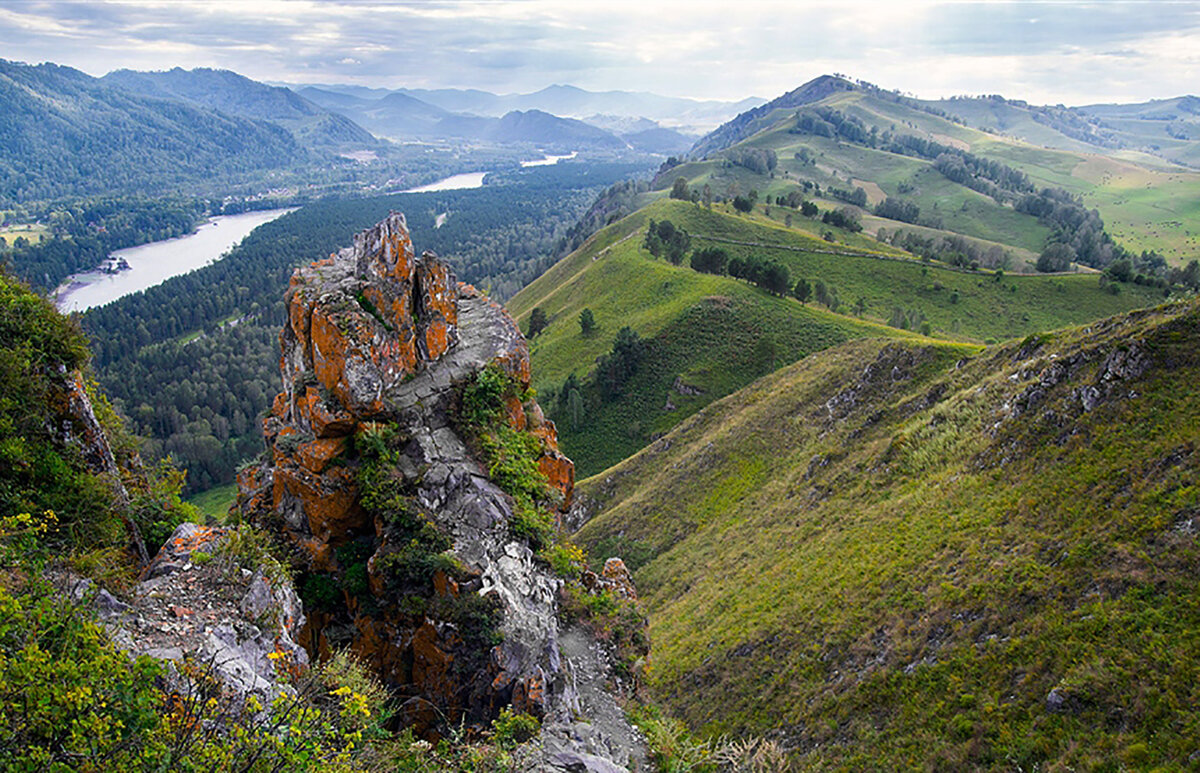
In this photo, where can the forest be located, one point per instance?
(193, 362)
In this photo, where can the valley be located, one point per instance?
(562, 429)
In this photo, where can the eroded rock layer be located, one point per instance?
(377, 346)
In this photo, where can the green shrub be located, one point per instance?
(510, 730)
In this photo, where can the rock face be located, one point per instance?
(378, 337)
(241, 625)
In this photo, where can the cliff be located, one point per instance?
(413, 554)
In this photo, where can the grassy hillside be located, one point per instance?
(899, 555)
(1146, 201)
(710, 335)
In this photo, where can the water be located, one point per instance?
(153, 263)
(475, 179)
(549, 160)
(452, 183)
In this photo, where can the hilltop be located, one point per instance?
(906, 554)
(844, 135)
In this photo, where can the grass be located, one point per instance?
(34, 232)
(1147, 202)
(867, 554)
(714, 333)
(216, 501)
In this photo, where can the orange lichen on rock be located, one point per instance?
(316, 455)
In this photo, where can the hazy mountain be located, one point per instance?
(236, 94)
(659, 140)
(532, 126)
(63, 132)
(574, 102)
(392, 115)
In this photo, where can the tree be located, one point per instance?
(860, 306)
(1056, 257)
(742, 204)
(707, 196)
(710, 260)
(537, 322)
(802, 290)
(821, 293)
(808, 209)
(587, 323)
(776, 279)
(614, 369)
(680, 190)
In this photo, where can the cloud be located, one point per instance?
(1046, 51)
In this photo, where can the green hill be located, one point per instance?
(900, 555)
(1144, 200)
(120, 140)
(707, 335)
(235, 94)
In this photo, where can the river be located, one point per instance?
(153, 263)
(459, 182)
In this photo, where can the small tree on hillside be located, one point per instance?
(680, 190)
(802, 290)
(587, 323)
(537, 322)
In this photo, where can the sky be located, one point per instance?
(1045, 52)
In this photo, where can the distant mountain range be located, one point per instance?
(687, 115)
(399, 115)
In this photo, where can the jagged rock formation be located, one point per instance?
(376, 336)
(236, 623)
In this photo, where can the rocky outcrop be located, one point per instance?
(378, 338)
(238, 625)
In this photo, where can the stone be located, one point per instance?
(376, 334)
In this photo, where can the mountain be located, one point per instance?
(574, 102)
(911, 555)
(400, 115)
(750, 121)
(236, 94)
(705, 336)
(951, 178)
(391, 115)
(659, 140)
(119, 140)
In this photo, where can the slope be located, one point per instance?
(236, 94)
(1145, 201)
(896, 555)
(119, 140)
(709, 335)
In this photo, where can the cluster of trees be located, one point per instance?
(824, 294)
(856, 195)
(898, 209)
(842, 217)
(767, 274)
(666, 240)
(615, 369)
(949, 248)
(757, 160)
(828, 122)
(1147, 269)
(909, 320)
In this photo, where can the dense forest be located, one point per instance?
(193, 362)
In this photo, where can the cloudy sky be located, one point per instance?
(1049, 52)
